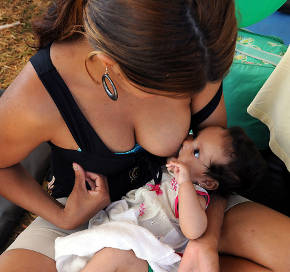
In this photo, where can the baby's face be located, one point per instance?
(197, 153)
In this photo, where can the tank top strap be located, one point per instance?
(205, 112)
(81, 130)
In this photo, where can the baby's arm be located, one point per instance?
(191, 207)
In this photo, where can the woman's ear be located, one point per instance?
(106, 60)
(208, 183)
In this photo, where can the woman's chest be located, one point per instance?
(162, 132)
(159, 126)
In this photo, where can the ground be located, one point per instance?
(16, 42)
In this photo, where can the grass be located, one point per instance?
(14, 42)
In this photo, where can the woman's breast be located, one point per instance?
(161, 133)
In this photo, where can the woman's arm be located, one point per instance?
(21, 108)
(215, 216)
(19, 187)
(192, 217)
(25, 122)
(201, 254)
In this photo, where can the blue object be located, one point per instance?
(278, 24)
(136, 148)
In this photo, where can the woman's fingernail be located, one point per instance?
(75, 166)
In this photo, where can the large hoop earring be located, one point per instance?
(114, 95)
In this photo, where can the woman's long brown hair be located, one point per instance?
(174, 46)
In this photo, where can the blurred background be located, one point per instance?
(277, 24)
(14, 41)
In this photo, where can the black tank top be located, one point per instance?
(124, 171)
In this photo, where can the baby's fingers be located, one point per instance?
(172, 165)
(177, 164)
(170, 168)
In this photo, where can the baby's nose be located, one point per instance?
(188, 140)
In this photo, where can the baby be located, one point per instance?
(220, 160)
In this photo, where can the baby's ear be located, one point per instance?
(208, 183)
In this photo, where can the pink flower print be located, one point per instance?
(174, 184)
(141, 209)
(156, 188)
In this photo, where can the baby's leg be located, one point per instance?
(115, 260)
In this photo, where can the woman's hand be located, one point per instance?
(199, 256)
(82, 204)
(180, 170)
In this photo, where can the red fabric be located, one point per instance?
(206, 195)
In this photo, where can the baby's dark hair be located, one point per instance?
(245, 169)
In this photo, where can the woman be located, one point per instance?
(142, 73)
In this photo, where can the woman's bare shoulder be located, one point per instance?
(26, 117)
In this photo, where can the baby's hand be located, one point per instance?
(180, 170)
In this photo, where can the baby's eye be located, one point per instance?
(196, 153)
